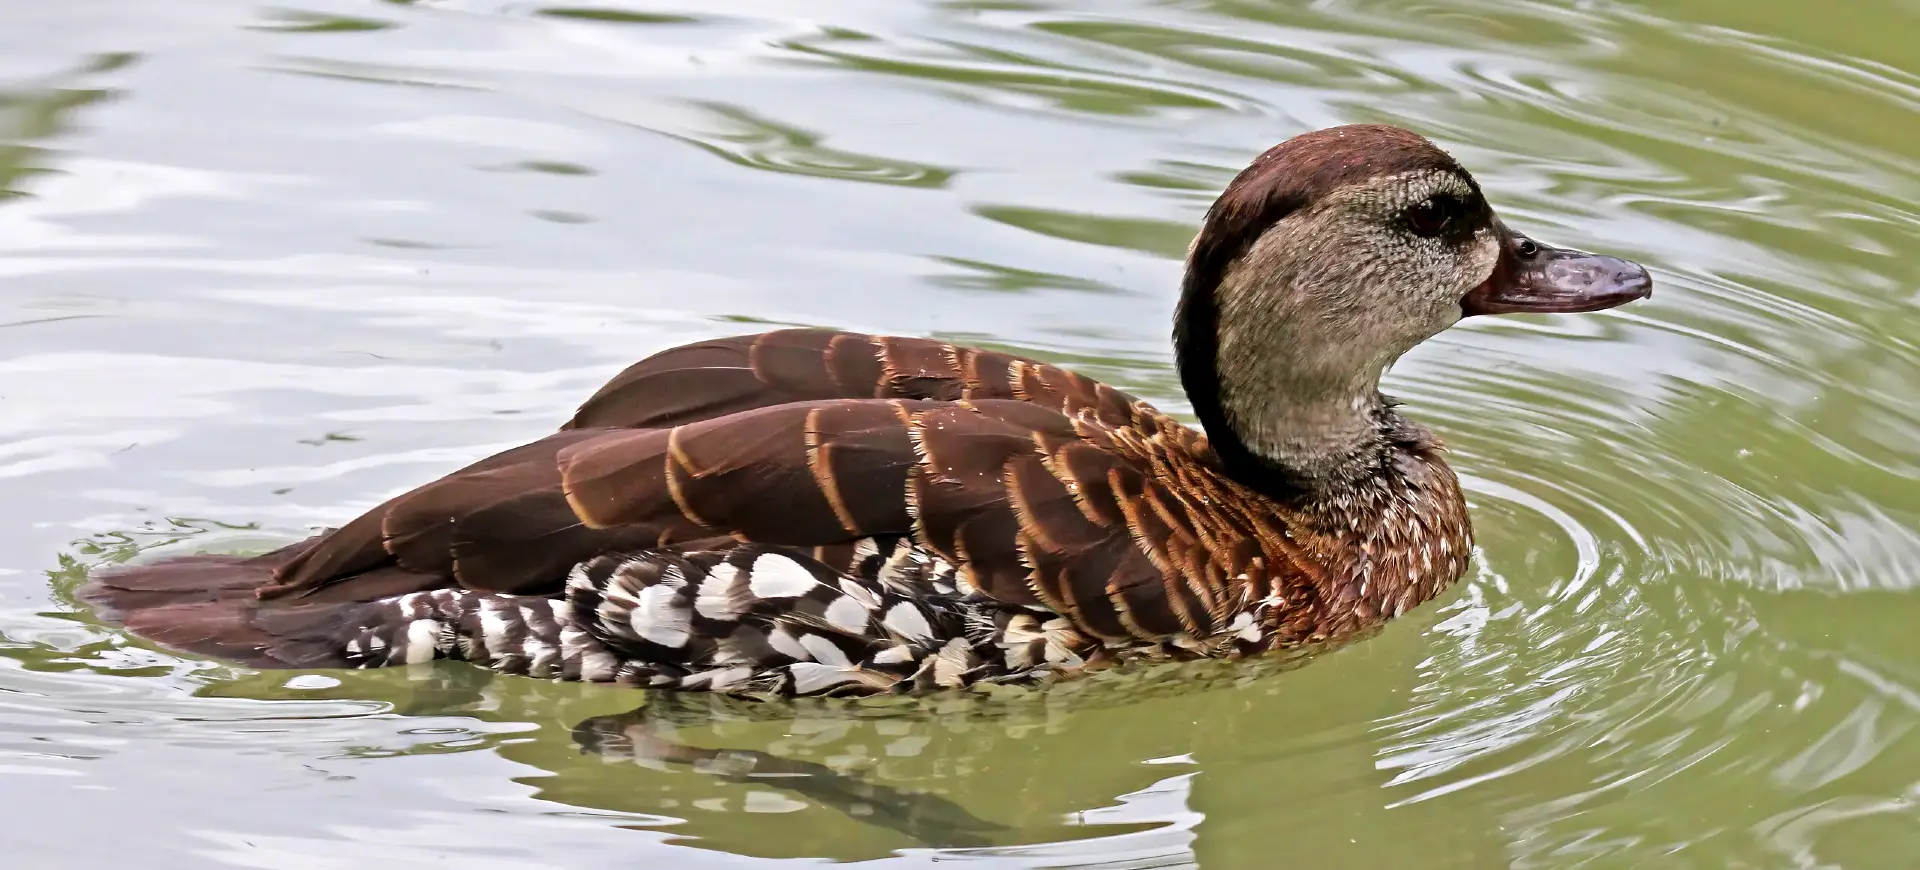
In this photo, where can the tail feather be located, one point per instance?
(206, 604)
(201, 579)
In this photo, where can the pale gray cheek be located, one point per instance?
(1477, 265)
(1436, 281)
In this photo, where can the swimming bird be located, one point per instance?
(817, 512)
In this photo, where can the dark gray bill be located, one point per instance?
(1532, 278)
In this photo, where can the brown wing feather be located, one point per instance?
(498, 525)
(1042, 487)
(712, 379)
(412, 531)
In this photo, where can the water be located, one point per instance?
(265, 265)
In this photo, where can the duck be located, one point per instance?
(814, 512)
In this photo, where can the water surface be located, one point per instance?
(267, 264)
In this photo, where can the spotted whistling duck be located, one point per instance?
(807, 512)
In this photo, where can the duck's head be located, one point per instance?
(1325, 260)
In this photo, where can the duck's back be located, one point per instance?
(1004, 493)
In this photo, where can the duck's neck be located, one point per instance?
(1289, 391)
(1316, 435)
(1281, 349)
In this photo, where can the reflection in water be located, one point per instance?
(744, 138)
(991, 277)
(1164, 238)
(42, 111)
(1688, 643)
(928, 819)
(1008, 77)
(855, 782)
(614, 16)
(296, 21)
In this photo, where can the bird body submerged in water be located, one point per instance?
(816, 512)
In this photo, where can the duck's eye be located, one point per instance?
(1432, 216)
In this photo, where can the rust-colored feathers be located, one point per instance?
(1048, 520)
(1041, 486)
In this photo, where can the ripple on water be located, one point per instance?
(745, 138)
(1011, 78)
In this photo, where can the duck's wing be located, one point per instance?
(1032, 506)
(712, 379)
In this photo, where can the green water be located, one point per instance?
(265, 265)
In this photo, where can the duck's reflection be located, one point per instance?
(1045, 777)
(647, 737)
(858, 781)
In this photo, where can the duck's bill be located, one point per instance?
(1532, 278)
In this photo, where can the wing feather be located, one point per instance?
(1018, 473)
(712, 379)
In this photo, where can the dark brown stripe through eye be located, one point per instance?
(1435, 215)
